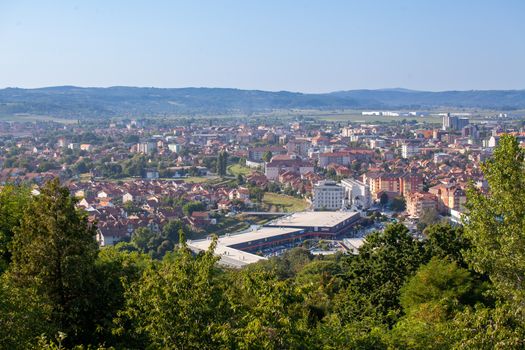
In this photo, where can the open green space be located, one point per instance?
(282, 203)
(236, 169)
(197, 179)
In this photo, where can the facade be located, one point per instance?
(174, 147)
(409, 183)
(409, 150)
(256, 153)
(385, 183)
(393, 184)
(419, 202)
(273, 168)
(146, 147)
(340, 158)
(357, 193)
(449, 197)
(454, 123)
(327, 195)
(377, 143)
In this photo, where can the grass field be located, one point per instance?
(197, 179)
(283, 203)
(236, 169)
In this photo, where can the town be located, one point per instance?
(258, 183)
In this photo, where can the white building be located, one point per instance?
(377, 143)
(146, 147)
(174, 147)
(357, 193)
(328, 195)
(409, 150)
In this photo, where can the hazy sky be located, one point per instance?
(309, 46)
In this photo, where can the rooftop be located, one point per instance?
(229, 256)
(235, 257)
(314, 219)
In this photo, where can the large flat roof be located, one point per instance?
(261, 233)
(235, 257)
(282, 226)
(229, 256)
(313, 219)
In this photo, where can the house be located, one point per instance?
(200, 219)
(224, 204)
(128, 197)
(110, 233)
(241, 193)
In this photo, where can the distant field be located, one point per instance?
(35, 118)
(357, 117)
(236, 169)
(280, 202)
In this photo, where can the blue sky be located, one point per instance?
(308, 46)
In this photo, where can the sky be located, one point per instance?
(302, 45)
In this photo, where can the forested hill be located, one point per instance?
(76, 102)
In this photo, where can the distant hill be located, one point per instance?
(76, 102)
(403, 98)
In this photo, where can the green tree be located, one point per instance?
(375, 276)
(171, 230)
(429, 216)
(54, 252)
(267, 156)
(13, 203)
(175, 303)
(495, 222)
(446, 242)
(115, 268)
(145, 239)
(431, 299)
(256, 193)
(240, 180)
(222, 163)
(190, 207)
(270, 313)
(383, 199)
(23, 316)
(397, 204)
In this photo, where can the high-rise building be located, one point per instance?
(146, 147)
(409, 150)
(454, 123)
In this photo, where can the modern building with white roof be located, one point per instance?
(238, 250)
(328, 222)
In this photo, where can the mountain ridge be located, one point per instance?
(77, 102)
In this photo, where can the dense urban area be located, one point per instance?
(282, 231)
